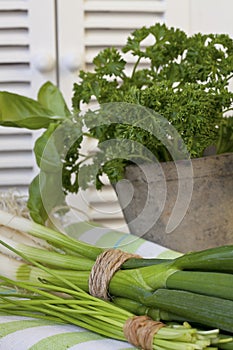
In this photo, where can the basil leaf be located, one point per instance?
(49, 160)
(50, 97)
(21, 111)
(45, 195)
(35, 203)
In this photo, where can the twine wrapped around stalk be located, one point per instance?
(104, 268)
(140, 331)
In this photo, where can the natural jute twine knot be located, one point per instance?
(104, 268)
(140, 331)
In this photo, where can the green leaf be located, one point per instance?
(134, 42)
(49, 160)
(45, 195)
(35, 203)
(21, 111)
(109, 62)
(51, 97)
(52, 151)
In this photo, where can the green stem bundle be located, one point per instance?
(74, 306)
(187, 288)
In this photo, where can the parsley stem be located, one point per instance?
(135, 67)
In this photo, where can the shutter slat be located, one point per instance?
(120, 20)
(8, 160)
(15, 143)
(14, 54)
(125, 5)
(13, 5)
(22, 88)
(100, 37)
(14, 73)
(10, 131)
(9, 37)
(13, 19)
(104, 37)
(19, 177)
(23, 145)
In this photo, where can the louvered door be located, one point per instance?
(20, 72)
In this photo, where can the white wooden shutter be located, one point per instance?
(16, 162)
(21, 36)
(14, 47)
(206, 16)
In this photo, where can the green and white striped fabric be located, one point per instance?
(21, 333)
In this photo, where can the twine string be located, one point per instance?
(104, 268)
(140, 331)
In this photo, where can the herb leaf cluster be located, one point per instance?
(186, 80)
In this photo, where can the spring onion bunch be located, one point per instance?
(72, 305)
(196, 287)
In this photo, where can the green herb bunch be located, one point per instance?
(186, 81)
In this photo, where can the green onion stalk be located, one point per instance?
(72, 305)
(196, 287)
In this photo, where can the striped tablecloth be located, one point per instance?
(21, 333)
